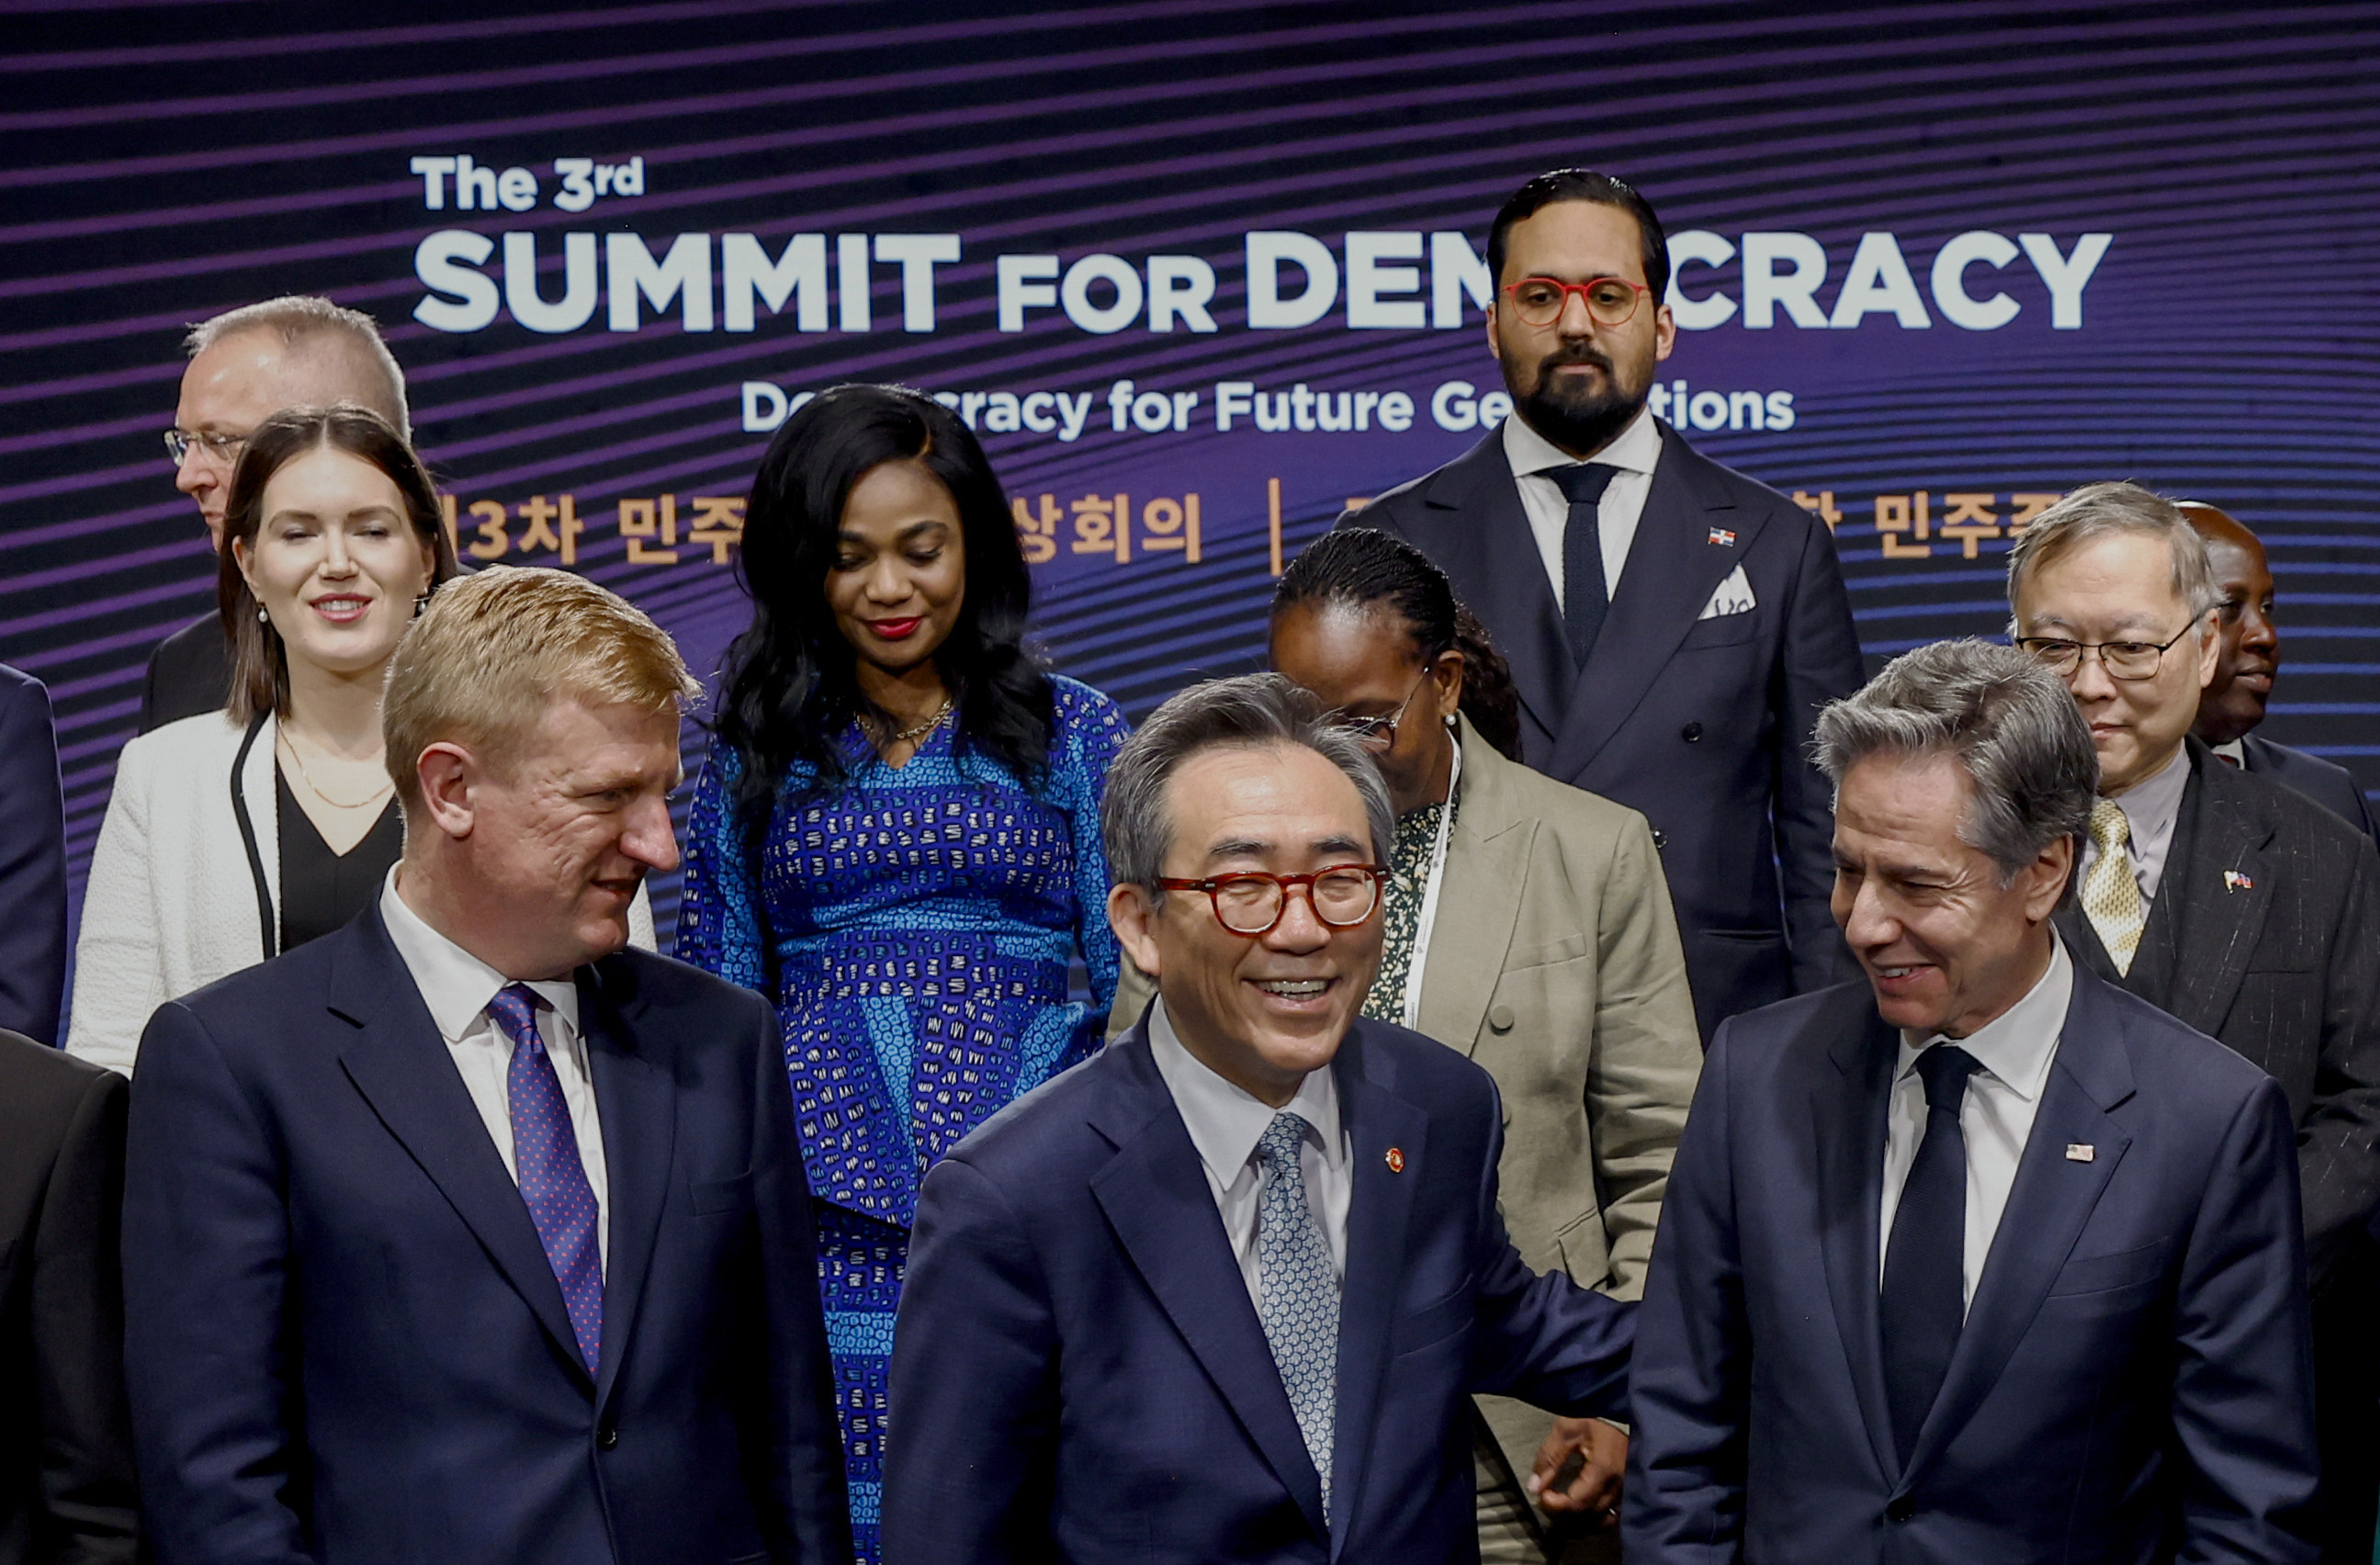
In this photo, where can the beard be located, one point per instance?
(1579, 416)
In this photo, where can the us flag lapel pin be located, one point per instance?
(2235, 882)
(1721, 536)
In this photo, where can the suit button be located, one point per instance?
(1660, 838)
(1500, 1020)
(606, 1436)
(1692, 733)
(1901, 1509)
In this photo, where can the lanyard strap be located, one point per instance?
(1411, 1011)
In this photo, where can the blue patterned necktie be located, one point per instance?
(1301, 1297)
(552, 1179)
(1924, 1265)
(1585, 598)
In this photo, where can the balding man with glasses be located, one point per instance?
(246, 365)
(2225, 900)
(1224, 1290)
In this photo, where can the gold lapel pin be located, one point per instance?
(1396, 1161)
(2080, 1151)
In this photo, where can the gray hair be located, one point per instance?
(2100, 510)
(2006, 718)
(303, 321)
(1252, 711)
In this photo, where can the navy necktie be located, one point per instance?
(1925, 1264)
(1583, 596)
(553, 1178)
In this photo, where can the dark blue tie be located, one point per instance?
(552, 1179)
(1924, 1262)
(1583, 596)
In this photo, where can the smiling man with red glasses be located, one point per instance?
(1224, 1291)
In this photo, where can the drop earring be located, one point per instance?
(262, 617)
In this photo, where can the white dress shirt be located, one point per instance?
(1225, 1124)
(2151, 806)
(1634, 453)
(457, 987)
(2015, 1050)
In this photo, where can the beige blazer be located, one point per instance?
(1554, 962)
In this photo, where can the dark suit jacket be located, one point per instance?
(67, 1494)
(344, 1340)
(32, 862)
(2327, 784)
(189, 672)
(1078, 1375)
(2133, 1382)
(2282, 962)
(1702, 725)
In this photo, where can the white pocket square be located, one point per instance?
(1733, 597)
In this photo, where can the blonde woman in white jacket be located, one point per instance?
(235, 835)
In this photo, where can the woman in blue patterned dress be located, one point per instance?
(896, 837)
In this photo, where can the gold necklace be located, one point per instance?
(312, 787)
(910, 735)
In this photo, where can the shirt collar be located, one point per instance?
(2151, 804)
(456, 985)
(1637, 449)
(1226, 1121)
(2235, 750)
(2016, 1046)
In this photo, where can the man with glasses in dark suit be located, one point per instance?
(2224, 899)
(246, 365)
(1609, 561)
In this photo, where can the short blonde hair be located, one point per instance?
(494, 649)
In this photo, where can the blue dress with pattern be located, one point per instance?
(920, 921)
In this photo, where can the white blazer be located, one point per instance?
(171, 904)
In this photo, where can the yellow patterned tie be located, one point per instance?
(2110, 896)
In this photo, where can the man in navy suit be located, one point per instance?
(1984, 1260)
(1222, 1293)
(32, 862)
(2230, 708)
(1673, 627)
(464, 1235)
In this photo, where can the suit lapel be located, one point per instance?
(1673, 567)
(636, 1104)
(1375, 1119)
(399, 1063)
(1486, 862)
(1847, 1108)
(1156, 1198)
(2218, 844)
(1493, 554)
(2052, 1197)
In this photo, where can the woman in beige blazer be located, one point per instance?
(1529, 925)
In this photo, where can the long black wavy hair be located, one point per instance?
(790, 691)
(1365, 568)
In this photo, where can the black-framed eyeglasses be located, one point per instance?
(1250, 902)
(1611, 301)
(2122, 660)
(180, 442)
(1379, 734)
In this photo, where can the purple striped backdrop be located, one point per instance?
(164, 161)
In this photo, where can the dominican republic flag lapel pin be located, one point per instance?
(2235, 882)
(1721, 536)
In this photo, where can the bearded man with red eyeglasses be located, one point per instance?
(1673, 626)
